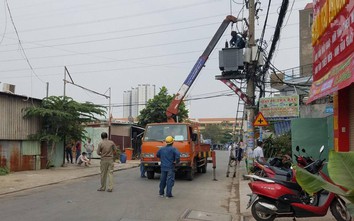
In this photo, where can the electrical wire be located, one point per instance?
(116, 18)
(185, 100)
(291, 10)
(238, 2)
(5, 21)
(113, 38)
(20, 44)
(276, 36)
(145, 27)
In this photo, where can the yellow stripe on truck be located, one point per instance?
(205, 154)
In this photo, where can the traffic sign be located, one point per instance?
(260, 121)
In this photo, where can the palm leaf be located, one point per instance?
(340, 168)
(313, 183)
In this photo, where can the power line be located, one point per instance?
(115, 18)
(20, 44)
(5, 28)
(192, 99)
(113, 38)
(73, 53)
(126, 30)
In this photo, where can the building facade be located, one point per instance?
(333, 69)
(17, 151)
(305, 20)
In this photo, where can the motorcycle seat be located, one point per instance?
(290, 185)
(282, 172)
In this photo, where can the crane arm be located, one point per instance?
(172, 110)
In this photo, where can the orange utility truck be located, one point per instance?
(194, 154)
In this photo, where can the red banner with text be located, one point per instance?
(333, 35)
(339, 77)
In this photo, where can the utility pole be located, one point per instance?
(109, 114)
(47, 90)
(64, 82)
(251, 69)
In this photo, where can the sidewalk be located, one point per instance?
(19, 181)
(246, 213)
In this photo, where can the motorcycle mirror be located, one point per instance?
(297, 148)
(321, 150)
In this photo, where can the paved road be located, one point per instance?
(133, 199)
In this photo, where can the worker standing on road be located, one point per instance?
(106, 149)
(169, 156)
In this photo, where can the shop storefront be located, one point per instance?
(333, 65)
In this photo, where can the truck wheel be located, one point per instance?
(190, 175)
(204, 168)
(150, 174)
(199, 169)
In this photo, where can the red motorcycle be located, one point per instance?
(302, 160)
(273, 198)
(267, 170)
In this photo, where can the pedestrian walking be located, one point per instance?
(89, 147)
(77, 150)
(169, 157)
(106, 149)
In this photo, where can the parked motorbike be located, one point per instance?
(273, 198)
(302, 160)
(272, 171)
(278, 168)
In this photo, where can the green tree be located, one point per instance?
(213, 132)
(62, 119)
(278, 145)
(227, 136)
(155, 110)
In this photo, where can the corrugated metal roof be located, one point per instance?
(12, 124)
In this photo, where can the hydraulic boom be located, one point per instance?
(172, 110)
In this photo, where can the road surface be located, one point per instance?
(133, 199)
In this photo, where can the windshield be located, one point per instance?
(160, 132)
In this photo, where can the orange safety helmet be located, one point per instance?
(169, 140)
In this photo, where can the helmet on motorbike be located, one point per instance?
(169, 140)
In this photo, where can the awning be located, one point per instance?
(339, 77)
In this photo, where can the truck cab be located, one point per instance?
(185, 140)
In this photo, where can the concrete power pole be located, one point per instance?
(251, 76)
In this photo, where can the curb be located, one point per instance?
(94, 173)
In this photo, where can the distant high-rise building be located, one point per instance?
(127, 111)
(135, 99)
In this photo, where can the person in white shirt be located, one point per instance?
(258, 152)
(83, 159)
(89, 148)
(231, 149)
